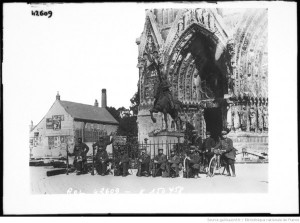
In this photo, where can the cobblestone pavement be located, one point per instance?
(251, 178)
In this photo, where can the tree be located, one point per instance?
(127, 122)
(128, 126)
(114, 112)
(135, 102)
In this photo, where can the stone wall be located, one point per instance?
(237, 40)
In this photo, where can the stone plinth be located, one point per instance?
(163, 140)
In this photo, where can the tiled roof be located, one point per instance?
(88, 112)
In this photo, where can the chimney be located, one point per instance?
(96, 103)
(31, 126)
(58, 96)
(103, 101)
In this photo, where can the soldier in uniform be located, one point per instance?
(143, 164)
(229, 156)
(194, 161)
(160, 163)
(122, 164)
(102, 143)
(173, 165)
(101, 159)
(80, 161)
(207, 148)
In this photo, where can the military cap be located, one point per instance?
(197, 151)
(95, 144)
(208, 133)
(192, 147)
(160, 149)
(224, 132)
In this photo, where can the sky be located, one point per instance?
(78, 51)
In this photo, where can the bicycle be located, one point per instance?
(215, 163)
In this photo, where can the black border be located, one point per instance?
(252, 215)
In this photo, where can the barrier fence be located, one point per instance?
(133, 149)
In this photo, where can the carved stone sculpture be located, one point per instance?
(265, 117)
(243, 118)
(252, 115)
(236, 119)
(205, 17)
(260, 119)
(229, 117)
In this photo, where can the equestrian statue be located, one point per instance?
(164, 101)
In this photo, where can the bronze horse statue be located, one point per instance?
(164, 101)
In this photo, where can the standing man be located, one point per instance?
(160, 163)
(229, 156)
(173, 165)
(143, 164)
(102, 143)
(193, 163)
(80, 161)
(207, 148)
(101, 160)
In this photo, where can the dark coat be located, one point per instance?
(80, 149)
(161, 158)
(102, 156)
(208, 144)
(195, 160)
(145, 158)
(227, 144)
(102, 144)
(174, 161)
(124, 158)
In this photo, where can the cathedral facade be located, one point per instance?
(217, 63)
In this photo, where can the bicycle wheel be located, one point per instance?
(212, 167)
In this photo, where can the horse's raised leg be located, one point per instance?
(178, 124)
(166, 120)
(151, 113)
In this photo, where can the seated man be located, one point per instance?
(194, 160)
(101, 160)
(80, 161)
(159, 165)
(121, 164)
(143, 164)
(173, 165)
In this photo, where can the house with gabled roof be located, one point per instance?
(65, 122)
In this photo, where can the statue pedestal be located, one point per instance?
(164, 140)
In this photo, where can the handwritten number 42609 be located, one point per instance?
(41, 13)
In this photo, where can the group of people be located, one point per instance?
(222, 148)
(161, 165)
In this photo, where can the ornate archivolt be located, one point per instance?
(207, 22)
(241, 53)
(180, 69)
(251, 56)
